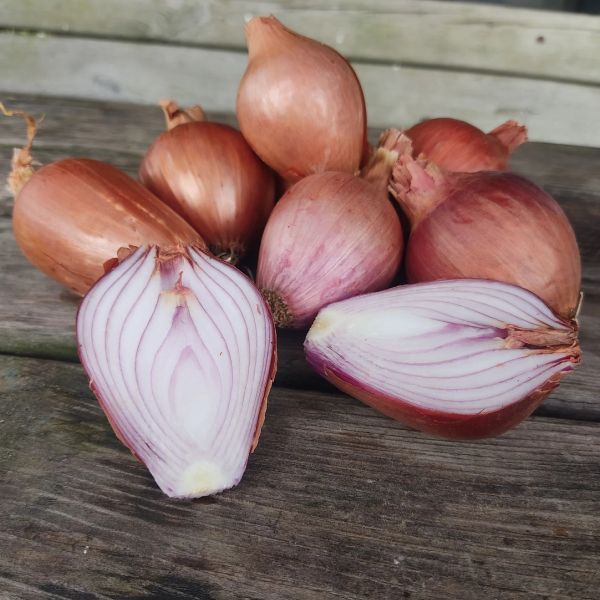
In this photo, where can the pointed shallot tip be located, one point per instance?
(511, 135)
(175, 116)
(282, 315)
(392, 146)
(167, 253)
(395, 140)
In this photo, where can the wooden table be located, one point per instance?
(338, 501)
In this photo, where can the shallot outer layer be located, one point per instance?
(489, 224)
(74, 214)
(207, 173)
(300, 104)
(331, 236)
(463, 359)
(180, 351)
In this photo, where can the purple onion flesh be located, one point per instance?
(466, 359)
(180, 351)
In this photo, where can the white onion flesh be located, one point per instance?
(180, 352)
(442, 346)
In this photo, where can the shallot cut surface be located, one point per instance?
(180, 351)
(463, 358)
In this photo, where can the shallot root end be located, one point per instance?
(282, 315)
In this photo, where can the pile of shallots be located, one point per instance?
(180, 344)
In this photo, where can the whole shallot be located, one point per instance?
(333, 235)
(490, 224)
(207, 173)
(459, 146)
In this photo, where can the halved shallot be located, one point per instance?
(180, 351)
(463, 359)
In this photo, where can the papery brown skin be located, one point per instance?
(175, 116)
(300, 105)
(491, 225)
(74, 214)
(459, 146)
(207, 173)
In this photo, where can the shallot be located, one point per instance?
(490, 224)
(180, 351)
(300, 105)
(207, 173)
(331, 236)
(72, 215)
(463, 359)
(459, 146)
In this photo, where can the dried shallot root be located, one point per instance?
(462, 359)
(180, 350)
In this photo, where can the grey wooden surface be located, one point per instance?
(338, 501)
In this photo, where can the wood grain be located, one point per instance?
(41, 322)
(554, 111)
(337, 502)
(441, 34)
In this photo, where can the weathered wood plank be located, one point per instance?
(41, 322)
(143, 73)
(449, 34)
(337, 502)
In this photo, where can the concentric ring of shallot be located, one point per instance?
(180, 352)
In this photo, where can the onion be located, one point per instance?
(491, 224)
(207, 173)
(300, 104)
(180, 351)
(72, 215)
(331, 236)
(463, 359)
(459, 146)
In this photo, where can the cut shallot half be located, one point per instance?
(464, 359)
(181, 353)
